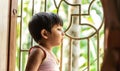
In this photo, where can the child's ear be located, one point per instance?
(44, 33)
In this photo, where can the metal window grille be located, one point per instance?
(82, 46)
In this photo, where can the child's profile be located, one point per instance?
(47, 31)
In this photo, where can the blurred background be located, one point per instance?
(83, 46)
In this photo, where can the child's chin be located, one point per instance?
(58, 44)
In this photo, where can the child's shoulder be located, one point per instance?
(36, 49)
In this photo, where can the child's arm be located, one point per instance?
(35, 58)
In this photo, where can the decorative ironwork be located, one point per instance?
(75, 24)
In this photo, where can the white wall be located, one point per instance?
(4, 7)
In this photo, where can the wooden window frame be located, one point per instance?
(12, 35)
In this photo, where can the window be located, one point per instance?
(82, 47)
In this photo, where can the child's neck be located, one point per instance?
(47, 47)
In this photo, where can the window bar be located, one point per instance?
(45, 5)
(70, 56)
(32, 15)
(20, 35)
(88, 53)
(97, 51)
(61, 57)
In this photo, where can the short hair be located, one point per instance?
(43, 20)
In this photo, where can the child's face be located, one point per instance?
(56, 35)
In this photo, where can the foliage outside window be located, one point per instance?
(90, 24)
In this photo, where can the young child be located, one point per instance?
(46, 29)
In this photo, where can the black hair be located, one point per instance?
(43, 20)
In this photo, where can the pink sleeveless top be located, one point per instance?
(49, 63)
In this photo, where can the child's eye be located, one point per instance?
(59, 29)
